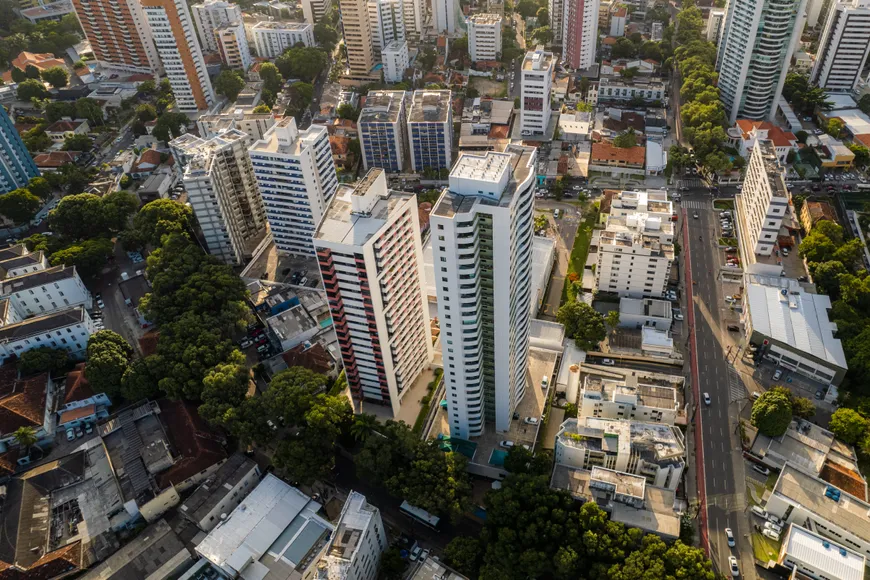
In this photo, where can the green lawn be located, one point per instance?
(757, 488)
(723, 204)
(728, 242)
(579, 252)
(764, 548)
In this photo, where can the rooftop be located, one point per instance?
(291, 322)
(803, 445)
(285, 138)
(42, 324)
(356, 517)
(646, 307)
(539, 60)
(480, 19)
(837, 561)
(155, 546)
(265, 25)
(214, 489)
(382, 107)
(632, 239)
(22, 402)
(654, 442)
(38, 278)
(609, 154)
(428, 106)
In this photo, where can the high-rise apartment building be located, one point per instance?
(415, 14)
(844, 46)
(580, 33)
(444, 16)
(635, 254)
(355, 549)
(233, 45)
(371, 259)
(314, 10)
(395, 59)
(210, 15)
(16, 164)
(715, 25)
(381, 128)
(482, 250)
(430, 130)
(387, 23)
(271, 39)
(357, 31)
(219, 180)
(119, 35)
(254, 125)
(296, 176)
(557, 21)
(754, 55)
(536, 83)
(180, 54)
(484, 37)
(762, 203)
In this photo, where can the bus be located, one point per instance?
(863, 186)
(419, 515)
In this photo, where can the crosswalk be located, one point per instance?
(692, 182)
(735, 386)
(696, 204)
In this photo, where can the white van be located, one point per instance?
(557, 213)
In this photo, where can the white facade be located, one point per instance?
(296, 176)
(816, 557)
(63, 329)
(715, 25)
(357, 544)
(45, 291)
(758, 41)
(444, 16)
(762, 203)
(536, 85)
(222, 492)
(606, 396)
(645, 313)
(635, 254)
(382, 130)
(415, 14)
(233, 45)
(387, 23)
(314, 10)
(220, 185)
(844, 46)
(209, 16)
(484, 37)
(379, 308)
(271, 39)
(395, 59)
(482, 250)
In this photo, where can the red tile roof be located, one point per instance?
(198, 445)
(76, 414)
(56, 159)
(620, 12)
(77, 386)
(845, 479)
(60, 562)
(499, 131)
(607, 154)
(63, 126)
(25, 405)
(779, 137)
(149, 156)
(862, 139)
(315, 359)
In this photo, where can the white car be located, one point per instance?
(678, 316)
(772, 526)
(695, 215)
(732, 563)
(608, 362)
(707, 400)
(507, 444)
(729, 535)
(770, 534)
(759, 511)
(531, 421)
(777, 375)
(761, 469)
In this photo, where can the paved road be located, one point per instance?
(565, 232)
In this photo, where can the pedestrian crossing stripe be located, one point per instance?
(696, 204)
(736, 388)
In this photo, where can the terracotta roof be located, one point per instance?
(212, 58)
(499, 131)
(433, 78)
(820, 210)
(442, 41)
(620, 12)
(24, 127)
(315, 358)
(56, 158)
(609, 155)
(9, 461)
(40, 61)
(338, 144)
(862, 139)
(844, 478)
(779, 137)
(198, 445)
(25, 405)
(76, 414)
(63, 126)
(609, 41)
(149, 156)
(61, 562)
(77, 386)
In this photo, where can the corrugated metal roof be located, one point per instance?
(837, 561)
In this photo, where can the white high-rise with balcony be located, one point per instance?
(296, 176)
(536, 83)
(484, 37)
(482, 231)
(762, 203)
(387, 23)
(209, 16)
(754, 55)
(844, 46)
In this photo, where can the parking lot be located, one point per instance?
(115, 314)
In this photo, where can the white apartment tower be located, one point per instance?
(209, 16)
(754, 55)
(387, 23)
(233, 45)
(444, 16)
(536, 86)
(843, 47)
(430, 130)
(484, 37)
(371, 260)
(580, 33)
(314, 10)
(395, 60)
(482, 250)
(180, 54)
(635, 255)
(355, 549)
(557, 20)
(220, 184)
(762, 203)
(715, 25)
(296, 176)
(271, 39)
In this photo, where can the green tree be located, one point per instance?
(31, 88)
(623, 48)
(772, 413)
(526, 8)
(363, 426)
(582, 323)
(39, 187)
(159, 218)
(36, 140)
(817, 247)
(347, 111)
(626, 140)
(802, 407)
(834, 127)
(56, 76)
(464, 554)
(108, 360)
(88, 256)
(392, 566)
(78, 143)
(543, 17)
(32, 72)
(863, 103)
(146, 112)
(170, 125)
(326, 36)
(138, 382)
(25, 437)
(229, 83)
(612, 319)
(56, 110)
(848, 425)
(90, 109)
(224, 388)
(862, 154)
(262, 109)
(826, 275)
(271, 77)
(299, 98)
(78, 217)
(304, 63)
(43, 360)
(18, 75)
(19, 206)
(850, 253)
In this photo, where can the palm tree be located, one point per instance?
(364, 425)
(25, 437)
(612, 320)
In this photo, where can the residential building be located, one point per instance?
(484, 37)
(482, 248)
(432, 568)
(296, 177)
(617, 22)
(575, 126)
(415, 14)
(430, 130)
(357, 544)
(271, 39)
(233, 45)
(276, 531)
(813, 556)
(387, 23)
(536, 82)
(67, 329)
(370, 233)
(66, 127)
(792, 328)
(843, 46)
(617, 393)
(635, 254)
(610, 89)
(580, 33)
(25, 403)
(715, 25)
(394, 57)
(315, 10)
(16, 164)
(811, 213)
(209, 16)
(381, 126)
(556, 8)
(78, 395)
(180, 54)
(17, 260)
(762, 203)
(221, 493)
(618, 160)
(48, 11)
(254, 125)
(645, 313)
(817, 13)
(746, 133)
(119, 35)
(358, 40)
(444, 16)
(657, 32)
(45, 290)
(222, 191)
(754, 55)
(53, 160)
(833, 153)
(653, 202)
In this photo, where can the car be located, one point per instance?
(89, 428)
(100, 303)
(820, 394)
(730, 249)
(263, 348)
(785, 251)
(772, 526)
(777, 374)
(609, 362)
(531, 420)
(707, 400)
(415, 553)
(79, 433)
(507, 444)
(729, 535)
(70, 435)
(759, 511)
(577, 188)
(760, 469)
(724, 214)
(732, 564)
(557, 213)
(730, 299)
(755, 395)
(739, 188)
(678, 316)
(770, 534)
(733, 328)
(695, 215)
(424, 555)
(245, 343)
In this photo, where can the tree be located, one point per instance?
(146, 112)
(326, 36)
(347, 111)
(623, 48)
(88, 256)
(612, 319)
(834, 127)
(626, 139)
(271, 77)
(772, 412)
(224, 388)
(850, 253)
(43, 360)
(526, 8)
(464, 555)
(817, 247)
(826, 275)
(848, 425)
(542, 35)
(582, 323)
(159, 218)
(802, 407)
(138, 382)
(31, 88)
(77, 143)
(19, 206)
(56, 110)
(229, 83)
(392, 565)
(170, 125)
(364, 425)
(650, 50)
(56, 76)
(25, 437)
(87, 108)
(543, 16)
(32, 72)
(39, 187)
(36, 140)
(108, 361)
(863, 103)
(299, 97)
(18, 75)
(305, 63)
(78, 217)
(262, 109)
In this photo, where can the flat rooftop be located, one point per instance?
(213, 490)
(296, 26)
(774, 171)
(480, 19)
(539, 60)
(42, 324)
(837, 561)
(803, 444)
(658, 397)
(623, 483)
(429, 106)
(285, 138)
(382, 107)
(646, 307)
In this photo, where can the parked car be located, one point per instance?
(70, 435)
(820, 394)
(729, 535)
(759, 511)
(531, 420)
(755, 395)
(507, 444)
(732, 564)
(678, 316)
(733, 328)
(245, 343)
(695, 215)
(89, 428)
(608, 362)
(770, 534)
(777, 374)
(415, 553)
(79, 433)
(760, 469)
(772, 526)
(424, 555)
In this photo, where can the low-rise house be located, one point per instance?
(54, 160)
(833, 153)
(40, 61)
(221, 493)
(80, 404)
(147, 163)
(617, 393)
(746, 133)
(813, 212)
(609, 158)
(26, 402)
(645, 313)
(45, 290)
(66, 127)
(575, 126)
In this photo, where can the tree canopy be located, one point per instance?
(19, 205)
(582, 323)
(772, 412)
(229, 83)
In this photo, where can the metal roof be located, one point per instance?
(822, 554)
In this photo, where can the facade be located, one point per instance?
(536, 85)
(209, 16)
(358, 40)
(45, 290)
(745, 134)
(415, 14)
(382, 131)
(484, 37)
(635, 254)
(843, 46)
(762, 203)
(635, 395)
(387, 23)
(395, 59)
(618, 89)
(271, 39)
(221, 493)
(556, 8)
(180, 54)
(811, 213)
(580, 33)
(315, 10)
(813, 556)
(715, 25)
(220, 185)
(296, 177)
(118, 33)
(430, 130)
(757, 44)
(444, 16)
(356, 547)
(16, 165)
(233, 45)
(67, 329)
(482, 248)
(371, 261)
